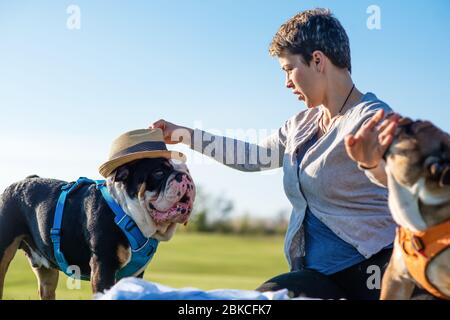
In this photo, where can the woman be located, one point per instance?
(340, 233)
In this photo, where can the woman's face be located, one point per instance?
(306, 82)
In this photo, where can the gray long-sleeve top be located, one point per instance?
(334, 188)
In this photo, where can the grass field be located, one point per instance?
(205, 261)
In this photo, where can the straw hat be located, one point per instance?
(138, 144)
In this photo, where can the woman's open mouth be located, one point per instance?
(299, 95)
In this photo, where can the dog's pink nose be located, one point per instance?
(179, 176)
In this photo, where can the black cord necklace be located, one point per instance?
(342, 108)
(345, 102)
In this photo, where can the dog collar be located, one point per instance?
(142, 248)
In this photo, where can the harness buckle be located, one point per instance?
(417, 244)
(130, 225)
(55, 235)
(100, 184)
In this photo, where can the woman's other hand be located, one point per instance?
(370, 142)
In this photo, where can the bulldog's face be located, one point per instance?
(158, 193)
(419, 162)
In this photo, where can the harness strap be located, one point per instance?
(137, 239)
(142, 248)
(55, 232)
(419, 249)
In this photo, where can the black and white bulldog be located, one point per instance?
(157, 193)
(418, 170)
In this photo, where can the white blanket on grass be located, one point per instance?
(138, 289)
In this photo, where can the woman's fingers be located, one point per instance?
(354, 148)
(379, 115)
(384, 125)
(161, 124)
(371, 141)
(386, 137)
(388, 129)
(368, 127)
(349, 146)
(392, 118)
(386, 142)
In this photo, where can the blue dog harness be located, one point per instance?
(142, 248)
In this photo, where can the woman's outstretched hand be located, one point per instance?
(370, 142)
(173, 133)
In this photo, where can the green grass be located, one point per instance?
(204, 261)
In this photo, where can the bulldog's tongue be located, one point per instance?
(178, 214)
(181, 210)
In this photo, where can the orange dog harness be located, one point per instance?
(419, 249)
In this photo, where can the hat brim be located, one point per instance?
(110, 166)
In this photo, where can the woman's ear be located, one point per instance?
(318, 60)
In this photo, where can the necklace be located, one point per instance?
(340, 110)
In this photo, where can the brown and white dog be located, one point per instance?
(418, 170)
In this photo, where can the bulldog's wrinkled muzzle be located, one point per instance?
(181, 194)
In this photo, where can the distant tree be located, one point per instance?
(213, 214)
(199, 218)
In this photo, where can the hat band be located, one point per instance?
(141, 147)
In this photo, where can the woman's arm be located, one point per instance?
(233, 153)
(369, 144)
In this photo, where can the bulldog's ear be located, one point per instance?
(121, 174)
(445, 153)
(445, 145)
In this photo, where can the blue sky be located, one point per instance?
(66, 94)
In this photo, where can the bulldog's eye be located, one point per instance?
(158, 174)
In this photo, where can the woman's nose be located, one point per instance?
(288, 83)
